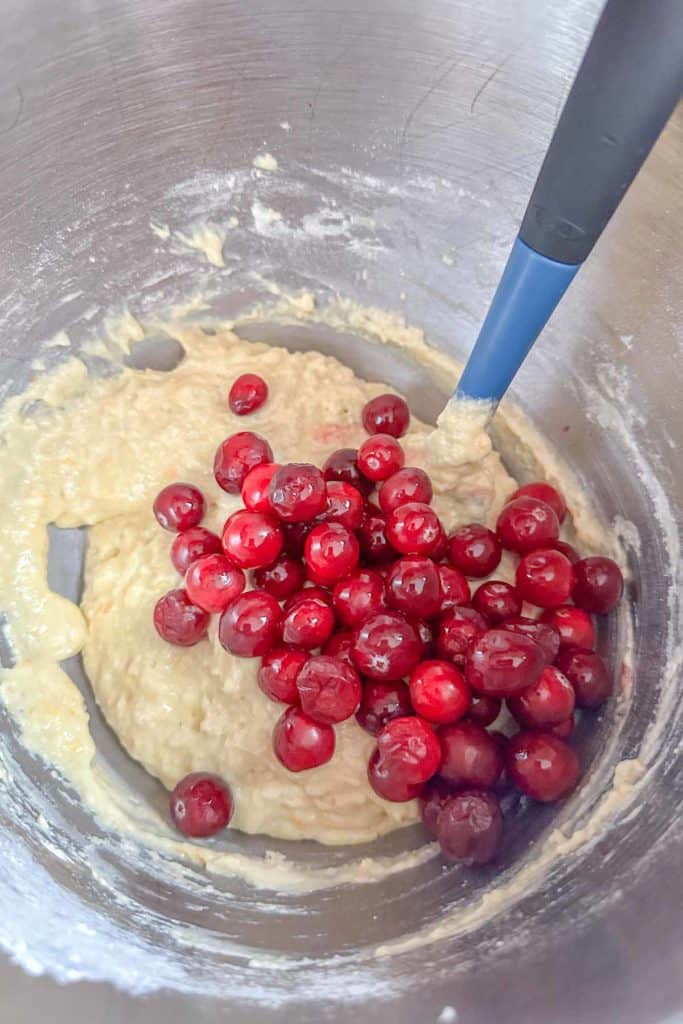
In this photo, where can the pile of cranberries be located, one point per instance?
(342, 581)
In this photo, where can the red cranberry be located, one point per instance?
(252, 539)
(386, 647)
(469, 827)
(309, 623)
(409, 749)
(414, 529)
(414, 587)
(380, 457)
(501, 664)
(382, 702)
(178, 621)
(588, 676)
(458, 628)
(297, 492)
(373, 537)
(192, 544)
(548, 702)
(249, 626)
(345, 505)
(598, 584)
(484, 710)
(497, 601)
(386, 414)
(455, 589)
(544, 577)
(342, 465)
(544, 492)
(247, 394)
(286, 576)
(330, 553)
(306, 594)
(426, 637)
(438, 692)
(179, 507)
(388, 783)
(295, 535)
(433, 797)
(573, 624)
(543, 633)
(339, 646)
(200, 805)
(542, 765)
(256, 487)
(300, 743)
(408, 484)
(474, 550)
(526, 524)
(237, 456)
(440, 549)
(563, 729)
(470, 756)
(567, 550)
(358, 597)
(213, 582)
(278, 672)
(329, 689)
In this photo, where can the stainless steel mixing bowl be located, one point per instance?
(408, 137)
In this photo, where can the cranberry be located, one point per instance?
(598, 584)
(278, 672)
(339, 646)
(469, 827)
(563, 729)
(474, 550)
(329, 689)
(410, 749)
(527, 523)
(283, 578)
(567, 550)
(200, 805)
(192, 544)
(455, 589)
(438, 692)
(388, 783)
(342, 465)
(458, 628)
(408, 484)
(179, 507)
(252, 539)
(380, 457)
(295, 535)
(249, 626)
(542, 765)
(358, 597)
(497, 601)
(484, 710)
(501, 664)
(433, 797)
(330, 552)
(544, 633)
(373, 537)
(256, 487)
(247, 394)
(588, 676)
(426, 637)
(382, 702)
(414, 529)
(306, 594)
(548, 702)
(573, 624)
(236, 457)
(386, 647)
(309, 623)
(345, 505)
(544, 577)
(297, 492)
(440, 549)
(544, 492)
(414, 587)
(178, 621)
(386, 414)
(213, 582)
(300, 743)
(470, 756)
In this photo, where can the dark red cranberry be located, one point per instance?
(380, 457)
(470, 756)
(247, 394)
(382, 702)
(543, 492)
(544, 577)
(543, 633)
(408, 484)
(237, 456)
(526, 524)
(548, 702)
(309, 623)
(573, 624)
(438, 692)
(388, 783)
(386, 647)
(458, 628)
(358, 597)
(249, 627)
(455, 590)
(329, 689)
(330, 553)
(426, 637)
(484, 710)
(213, 582)
(470, 827)
(256, 487)
(342, 465)
(178, 621)
(339, 646)
(440, 549)
(414, 529)
(252, 539)
(598, 584)
(386, 414)
(200, 805)
(295, 535)
(306, 594)
(192, 544)
(542, 765)
(414, 587)
(278, 673)
(497, 601)
(409, 749)
(563, 729)
(179, 507)
(474, 550)
(567, 550)
(373, 537)
(286, 576)
(434, 795)
(300, 743)
(588, 675)
(297, 492)
(345, 505)
(501, 664)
